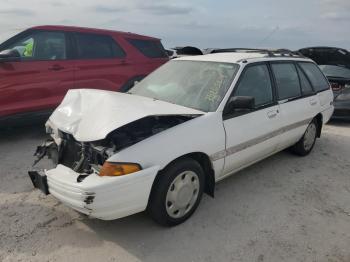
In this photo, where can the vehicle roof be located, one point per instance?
(237, 57)
(322, 47)
(91, 30)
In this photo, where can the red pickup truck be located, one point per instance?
(39, 65)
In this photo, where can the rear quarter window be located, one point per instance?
(316, 77)
(149, 48)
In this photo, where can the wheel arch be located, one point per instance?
(205, 162)
(319, 119)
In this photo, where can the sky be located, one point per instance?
(205, 24)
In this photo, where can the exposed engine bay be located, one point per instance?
(88, 157)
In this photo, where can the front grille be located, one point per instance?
(80, 155)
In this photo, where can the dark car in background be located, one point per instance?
(38, 66)
(335, 64)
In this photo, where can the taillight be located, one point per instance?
(336, 86)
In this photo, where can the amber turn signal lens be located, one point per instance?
(118, 169)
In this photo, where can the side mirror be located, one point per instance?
(239, 103)
(10, 55)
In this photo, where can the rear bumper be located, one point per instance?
(105, 198)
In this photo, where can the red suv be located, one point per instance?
(39, 65)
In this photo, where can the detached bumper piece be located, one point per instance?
(39, 181)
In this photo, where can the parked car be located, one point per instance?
(171, 53)
(183, 51)
(335, 64)
(194, 121)
(188, 51)
(38, 66)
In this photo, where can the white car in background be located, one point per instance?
(172, 53)
(189, 124)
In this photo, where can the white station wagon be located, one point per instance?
(191, 123)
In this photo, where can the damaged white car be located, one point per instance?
(191, 123)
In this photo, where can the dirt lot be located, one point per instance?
(285, 208)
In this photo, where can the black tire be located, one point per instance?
(300, 148)
(157, 204)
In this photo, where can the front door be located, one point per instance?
(253, 135)
(41, 78)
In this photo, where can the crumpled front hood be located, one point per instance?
(90, 114)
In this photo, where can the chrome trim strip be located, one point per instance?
(240, 147)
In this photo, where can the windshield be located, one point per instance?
(335, 71)
(195, 84)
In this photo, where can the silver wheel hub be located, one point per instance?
(182, 194)
(310, 136)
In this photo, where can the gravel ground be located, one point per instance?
(285, 208)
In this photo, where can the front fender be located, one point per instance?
(203, 134)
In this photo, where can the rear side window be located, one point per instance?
(287, 80)
(93, 46)
(256, 82)
(149, 48)
(315, 75)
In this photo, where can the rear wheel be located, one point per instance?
(177, 192)
(307, 142)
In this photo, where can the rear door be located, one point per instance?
(297, 100)
(319, 83)
(252, 135)
(40, 80)
(100, 62)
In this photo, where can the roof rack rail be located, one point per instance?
(269, 52)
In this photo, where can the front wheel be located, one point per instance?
(177, 192)
(307, 142)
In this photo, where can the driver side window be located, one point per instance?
(41, 46)
(24, 46)
(256, 82)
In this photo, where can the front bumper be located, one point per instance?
(105, 198)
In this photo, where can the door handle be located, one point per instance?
(56, 68)
(124, 63)
(313, 102)
(272, 113)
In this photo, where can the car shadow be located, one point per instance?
(338, 122)
(21, 130)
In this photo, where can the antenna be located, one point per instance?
(268, 35)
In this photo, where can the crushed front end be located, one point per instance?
(77, 183)
(76, 179)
